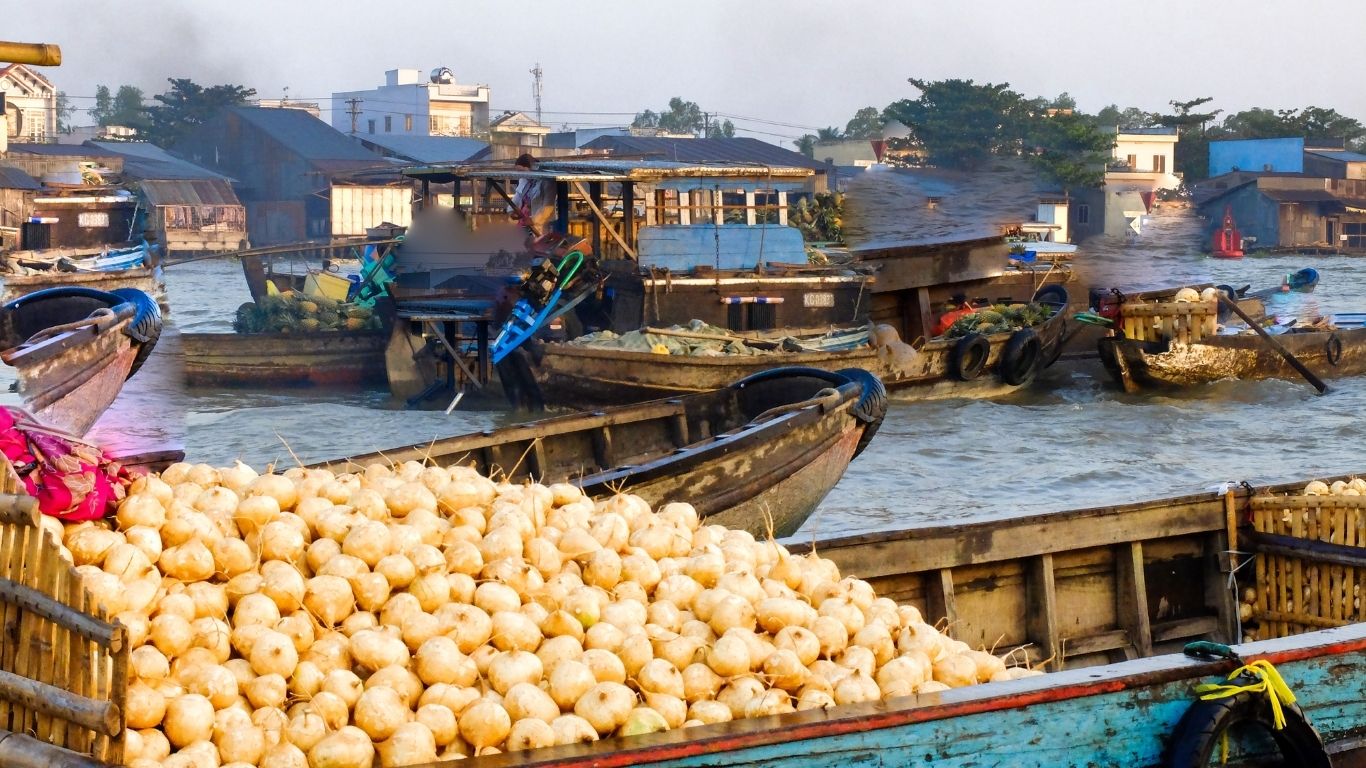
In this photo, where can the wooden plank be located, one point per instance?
(1041, 622)
(602, 447)
(940, 601)
(34, 601)
(51, 701)
(1131, 597)
(1099, 642)
(1181, 629)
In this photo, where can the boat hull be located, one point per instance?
(1138, 365)
(765, 472)
(145, 279)
(582, 376)
(284, 359)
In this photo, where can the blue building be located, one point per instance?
(1257, 156)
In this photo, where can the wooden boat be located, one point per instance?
(1137, 364)
(74, 347)
(972, 366)
(1227, 241)
(284, 359)
(1300, 281)
(101, 270)
(765, 449)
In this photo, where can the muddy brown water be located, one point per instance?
(1068, 441)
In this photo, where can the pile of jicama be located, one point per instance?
(406, 614)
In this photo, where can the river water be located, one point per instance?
(1069, 441)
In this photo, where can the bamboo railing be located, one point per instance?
(63, 661)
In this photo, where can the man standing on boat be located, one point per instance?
(533, 203)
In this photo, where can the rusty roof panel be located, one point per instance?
(189, 192)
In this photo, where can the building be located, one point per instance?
(82, 133)
(1144, 158)
(65, 164)
(410, 105)
(311, 107)
(738, 150)
(512, 134)
(1334, 164)
(299, 178)
(1289, 210)
(17, 190)
(28, 106)
(1256, 156)
(189, 209)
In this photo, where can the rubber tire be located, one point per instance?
(145, 329)
(1197, 736)
(1333, 350)
(871, 406)
(969, 356)
(1020, 359)
(1231, 293)
(1052, 294)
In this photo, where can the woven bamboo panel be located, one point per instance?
(1297, 593)
(1179, 321)
(63, 662)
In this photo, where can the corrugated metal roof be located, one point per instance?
(428, 149)
(607, 169)
(61, 150)
(731, 150)
(189, 192)
(307, 136)
(1339, 155)
(14, 178)
(1300, 195)
(143, 161)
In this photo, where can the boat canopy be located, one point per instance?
(663, 174)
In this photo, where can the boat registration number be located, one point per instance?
(818, 299)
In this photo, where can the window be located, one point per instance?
(1160, 163)
(408, 123)
(1083, 214)
(388, 123)
(1356, 234)
(1133, 162)
(371, 125)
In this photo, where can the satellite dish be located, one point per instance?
(442, 75)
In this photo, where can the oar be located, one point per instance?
(1276, 345)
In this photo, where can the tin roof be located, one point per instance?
(1300, 195)
(308, 137)
(721, 150)
(15, 178)
(189, 192)
(149, 162)
(607, 169)
(61, 150)
(1339, 155)
(427, 149)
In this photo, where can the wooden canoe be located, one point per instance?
(768, 446)
(73, 348)
(145, 279)
(1138, 365)
(584, 376)
(284, 359)
(1109, 596)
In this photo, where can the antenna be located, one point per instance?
(354, 111)
(536, 89)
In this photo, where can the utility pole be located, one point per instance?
(536, 89)
(354, 111)
(706, 124)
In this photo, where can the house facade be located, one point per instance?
(29, 103)
(409, 104)
(298, 178)
(1292, 211)
(1144, 158)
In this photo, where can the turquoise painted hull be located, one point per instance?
(1117, 715)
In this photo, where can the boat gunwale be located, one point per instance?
(970, 700)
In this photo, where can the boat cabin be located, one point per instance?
(662, 233)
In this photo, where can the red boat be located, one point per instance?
(1228, 241)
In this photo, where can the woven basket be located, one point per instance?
(1311, 562)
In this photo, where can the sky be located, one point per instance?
(776, 69)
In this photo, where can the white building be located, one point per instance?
(408, 104)
(30, 106)
(1144, 158)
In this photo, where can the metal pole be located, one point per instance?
(37, 54)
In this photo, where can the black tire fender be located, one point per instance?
(1333, 349)
(1052, 293)
(1202, 728)
(1020, 359)
(871, 406)
(145, 329)
(969, 356)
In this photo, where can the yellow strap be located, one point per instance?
(1269, 682)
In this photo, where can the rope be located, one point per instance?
(1268, 682)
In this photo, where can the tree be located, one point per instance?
(866, 124)
(722, 130)
(1192, 147)
(1070, 149)
(807, 145)
(830, 133)
(682, 117)
(646, 119)
(104, 106)
(959, 123)
(129, 109)
(1130, 117)
(64, 112)
(187, 105)
(1063, 101)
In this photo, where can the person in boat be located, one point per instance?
(533, 202)
(958, 307)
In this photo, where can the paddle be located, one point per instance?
(1276, 345)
